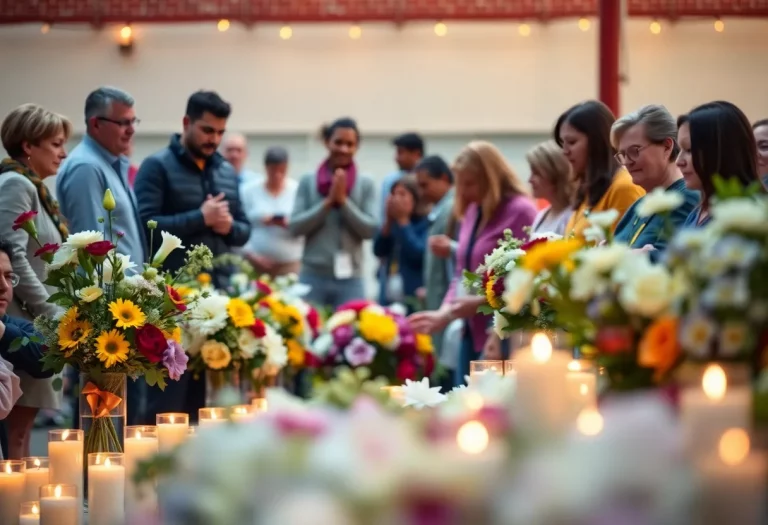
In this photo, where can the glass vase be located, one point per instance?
(103, 411)
(254, 383)
(218, 381)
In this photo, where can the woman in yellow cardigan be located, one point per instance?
(584, 133)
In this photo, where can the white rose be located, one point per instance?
(603, 219)
(170, 243)
(649, 291)
(659, 201)
(247, 342)
(518, 289)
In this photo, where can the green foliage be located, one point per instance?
(343, 390)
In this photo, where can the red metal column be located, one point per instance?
(610, 34)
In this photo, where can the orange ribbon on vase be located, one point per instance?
(101, 402)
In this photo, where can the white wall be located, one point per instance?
(481, 80)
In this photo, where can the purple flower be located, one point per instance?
(175, 360)
(343, 335)
(359, 353)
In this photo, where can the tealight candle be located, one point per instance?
(733, 482)
(60, 504)
(30, 513)
(106, 489)
(11, 491)
(582, 386)
(35, 476)
(242, 413)
(211, 416)
(541, 391)
(259, 403)
(477, 368)
(65, 458)
(706, 412)
(172, 430)
(140, 445)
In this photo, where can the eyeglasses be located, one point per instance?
(122, 123)
(13, 278)
(631, 154)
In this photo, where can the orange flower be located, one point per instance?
(659, 347)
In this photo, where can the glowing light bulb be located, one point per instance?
(584, 24)
(733, 447)
(286, 32)
(719, 26)
(541, 348)
(524, 30)
(655, 27)
(355, 32)
(441, 29)
(223, 25)
(714, 383)
(472, 437)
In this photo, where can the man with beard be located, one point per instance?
(192, 192)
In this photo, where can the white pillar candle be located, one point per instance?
(172, 430)
(35, 476)
(708, 411)
(208, 417)
(733, 482)
(140, 445)
(60, 505)
(30, 513)
(11, 491)
(65, 458)
(106, 489)
(541, 390)
(582, 387)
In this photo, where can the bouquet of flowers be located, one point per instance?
(489, 281)
(117, 319)
(364, 334)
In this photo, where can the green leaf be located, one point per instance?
(60, 298)
(151, 377)
(16, 344)
(57, 383)
(485, 309)
(36, 339)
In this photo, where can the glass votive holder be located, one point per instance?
(172, 430)
(36, 474)
(30, 513)
(240, 413)
(509, 367)
(211, 416)
(192, 431)
(478, 368)
(259, 404)
(60, 503)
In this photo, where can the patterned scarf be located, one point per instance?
(49, 203)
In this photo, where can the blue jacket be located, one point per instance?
(654, 230)
(26, 358)
(404, 246)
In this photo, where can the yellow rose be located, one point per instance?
(216, 355)
(378, 329)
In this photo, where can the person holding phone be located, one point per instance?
(268, 202)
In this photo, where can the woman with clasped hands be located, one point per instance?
(490, 198)
(335, 212)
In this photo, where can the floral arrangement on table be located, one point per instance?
(489, 280)
(118, 319)
(614, 303)
(364, 334)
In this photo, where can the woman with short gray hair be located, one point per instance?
(646, 145)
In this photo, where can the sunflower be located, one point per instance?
(69, 316)
(550, 254)
(127, 314)
(494, 289)
(111, 348)
(241, 313)
(73, 333)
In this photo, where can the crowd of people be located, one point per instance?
(428, 222)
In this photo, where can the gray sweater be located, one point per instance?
(329, 231)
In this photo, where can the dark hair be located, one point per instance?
(327, 130)
(760, 123)
(435, 167)
(722, 143)
(207, 101)
(410, 142)
(593, 119)
(275, 155)
(409, 183)
(7, 248)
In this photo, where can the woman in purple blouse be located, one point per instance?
(490, 198)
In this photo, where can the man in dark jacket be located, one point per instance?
(192, 192)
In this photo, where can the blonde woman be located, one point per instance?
(490, 198)
(34, 139)
(551, 180)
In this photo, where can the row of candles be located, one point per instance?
(49, 490)
(555, 391)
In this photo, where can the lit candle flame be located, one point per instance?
(64, 435)
(213, 414)
(574, 366)
(714, 382)
(8, 468)
(37, 462)
(171, 420)
(541, 348)
(35, 510)
(107, 462)
(590, 422)
(138, 434)
(472, 437)
(57, 491)
(733, 447)
(583, 389)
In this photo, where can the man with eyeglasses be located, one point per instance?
(27, 358)
(99, 162)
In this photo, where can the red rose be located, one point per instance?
(530, 244)
(311, 360)
(24, 218)
(99, 248)
(313, 318)
(614, 339)
(151, 343)
(429, 364)
(258, 329)
(176, 298)
(263, 288)
(357, 305)
(406, 370)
